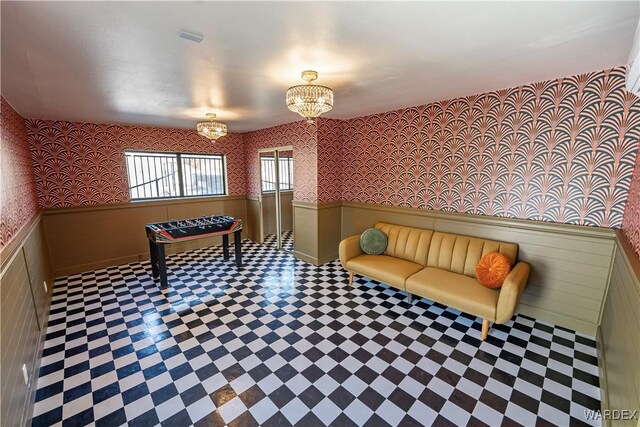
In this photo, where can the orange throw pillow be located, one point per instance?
(492, 269)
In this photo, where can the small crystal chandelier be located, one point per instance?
(309, 100)
(211, 129)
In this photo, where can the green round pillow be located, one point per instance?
(373, 241)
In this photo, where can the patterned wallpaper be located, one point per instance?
(562, 150)
(18, 194)
(303, 137)
(83, 163)
(631, 220)
(330, 154)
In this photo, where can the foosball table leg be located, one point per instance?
(225, 246)
(153, 251)
(237, 241)
(162, 266)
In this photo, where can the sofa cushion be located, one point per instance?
(407, 243)
(373, 241)
(460, 254)
(492, 269)
(384, 268)
(455, 290)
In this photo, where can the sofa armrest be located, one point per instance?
(349, 248)
(511, 291)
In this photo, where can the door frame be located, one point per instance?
(276, 151)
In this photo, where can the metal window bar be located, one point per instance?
(286, 173)
(267, 172)
(164, 175)
(151, 175)
(203, 175)
(268, 177)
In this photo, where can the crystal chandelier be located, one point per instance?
(211, 129)
(309, 100)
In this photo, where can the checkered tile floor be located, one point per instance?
(286, 240)
(281, 342)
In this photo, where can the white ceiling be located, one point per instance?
(123, 62)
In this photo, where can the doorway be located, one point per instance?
(276, 194)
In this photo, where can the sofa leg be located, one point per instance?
(351, 278)
(485, 329)
(410, 298)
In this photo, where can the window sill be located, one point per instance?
(178, 199)
(281, 191)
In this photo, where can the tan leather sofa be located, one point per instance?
(440, 267)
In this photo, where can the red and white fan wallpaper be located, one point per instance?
(18, 194)
(302, 136)
(561, 150)
(330, 154)
(79, 164)
(631, 221)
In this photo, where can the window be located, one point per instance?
(163, 175)
(268, 172)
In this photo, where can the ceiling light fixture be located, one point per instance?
(309, 100)
(211, 129)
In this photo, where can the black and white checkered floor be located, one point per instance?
(282, 342)
(286, 240)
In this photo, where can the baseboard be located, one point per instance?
(97, 265)
(568, 322)
(306, 257)
(328, 258)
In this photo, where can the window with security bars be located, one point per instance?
(268, 173)
(157, 175)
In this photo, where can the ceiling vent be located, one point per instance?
(188, 35)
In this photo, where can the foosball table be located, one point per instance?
(163, 233)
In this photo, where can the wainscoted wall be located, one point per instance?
(254, 219)
(561, 151)
(620, 332)
(631, 220)
(18, 194)
(24, 312)
(570, 265)
(305, 232)
(316, 232)
(81, 164)
(24, 266)
(269, 212)
(329, 231)
(302, 136)
(89, 238)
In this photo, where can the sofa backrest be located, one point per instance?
(408, 243)
(460, 254)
